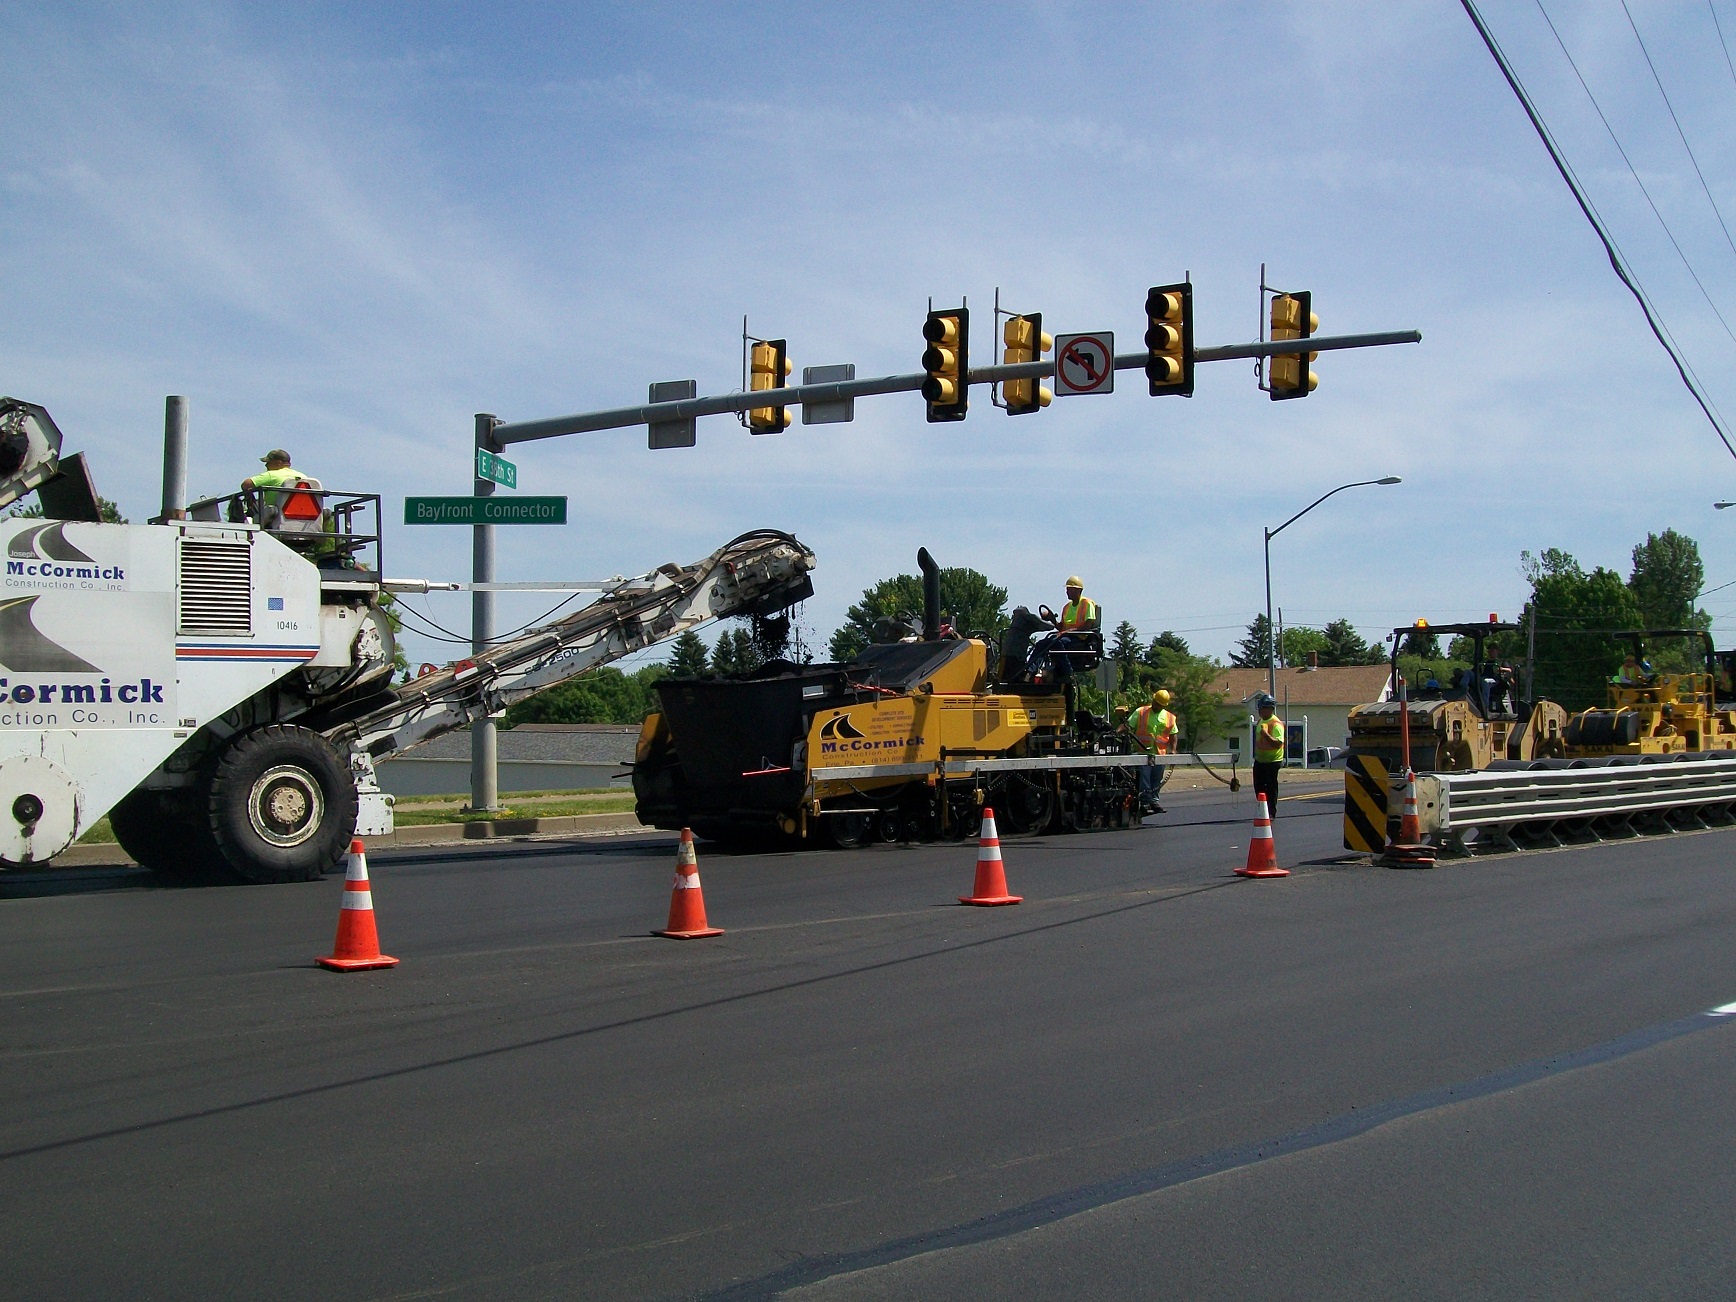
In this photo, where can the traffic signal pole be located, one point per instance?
(484, 740)
(794, 396)
(493, 436)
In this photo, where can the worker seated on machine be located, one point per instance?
(1078, 644)
(291, 505)
(1633, 672)
(1504, 691)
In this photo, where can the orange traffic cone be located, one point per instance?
(1262, 850)
(991, 876)
(358, 943)
(687, 901)
(1408, 849)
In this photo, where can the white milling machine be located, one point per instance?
(220, 685)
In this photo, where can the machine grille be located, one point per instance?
(216, 587)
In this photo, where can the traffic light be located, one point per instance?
(769, 368)
(1026, 342)
(1169, 339)
(1292, 318)
(947, 361)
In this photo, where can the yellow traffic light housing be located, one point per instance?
(947, 361)
(769, 367)
(1025, 342)
(1292, 318)
(1169, 339)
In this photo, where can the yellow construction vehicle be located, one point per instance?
(1472, 721)
(908, 741)
(1475, 721)
(1661, 713)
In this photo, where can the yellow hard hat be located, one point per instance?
(1074, 581)
(1160, 697)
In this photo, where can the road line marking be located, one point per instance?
(1359, 1121)
(1723, 1010)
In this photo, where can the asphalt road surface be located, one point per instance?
(1500, 1078)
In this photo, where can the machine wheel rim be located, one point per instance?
(285, 805)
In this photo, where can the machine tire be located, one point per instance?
(851, 830)
(161, 835)
(282, 806)
(1027, 806)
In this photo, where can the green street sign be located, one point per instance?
(496, 469)
(485, 510)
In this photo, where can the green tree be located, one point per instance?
(735, 653)
(604, 695)
(111, 514)
(976, 606)
(1124, 651)
(1255, 650)
(1173, 640)
(1421, 644)
(1573, 667)
(1667, 577)
(689, 658)
(1199, 710)
(1294, 644)
(394, 621)
(1345, 646)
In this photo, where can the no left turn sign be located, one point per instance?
(1085, 363)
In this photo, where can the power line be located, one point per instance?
(1585, 206)
(1721, 41)
(1634, 172)
(1683, 134)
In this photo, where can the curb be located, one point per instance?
(106, 855)
(496, 828)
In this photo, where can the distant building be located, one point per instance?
(1323, 696)
(532, 757)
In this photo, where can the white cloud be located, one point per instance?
(351, 254)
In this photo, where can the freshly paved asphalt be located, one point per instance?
(1152, 1079)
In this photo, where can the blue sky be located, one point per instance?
(345, 229)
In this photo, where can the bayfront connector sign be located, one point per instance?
(485, 510)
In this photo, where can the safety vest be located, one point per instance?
(276, 478)
(1154, 729)
(292, 506)
(1269, 740)
(1078, 615)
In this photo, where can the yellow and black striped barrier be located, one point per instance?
(1364, 804)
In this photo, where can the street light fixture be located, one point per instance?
(1271, 632)
(1719, 506)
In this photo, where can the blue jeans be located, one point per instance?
(1150, 782)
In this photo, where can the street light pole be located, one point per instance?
(1271, 633)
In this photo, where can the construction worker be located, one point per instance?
(1154, 731)
(276, 474)
(277, 471)
(1268, 752)
(1078, 625)
(1079, 615)
(1632, 674)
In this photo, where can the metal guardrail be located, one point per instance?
(1496, 810)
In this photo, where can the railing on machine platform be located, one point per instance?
(337, 530)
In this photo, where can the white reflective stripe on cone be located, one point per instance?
(359, 900)
(686, 881)
(357, 871)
